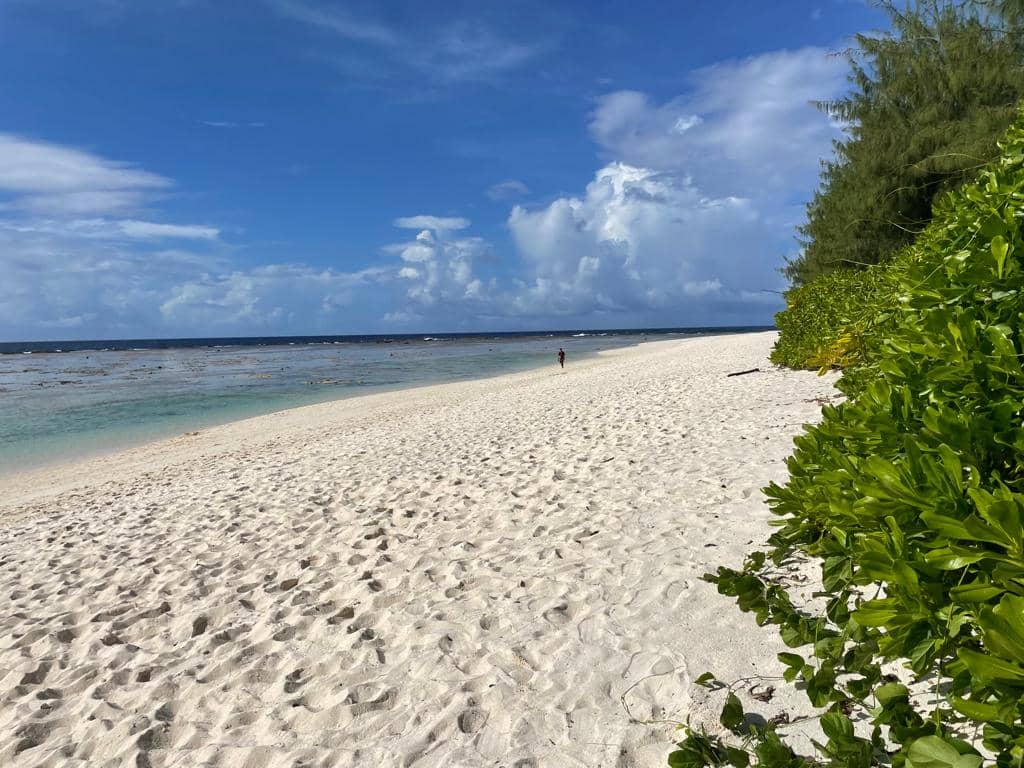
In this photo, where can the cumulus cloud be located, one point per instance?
(439, 269)
(746, 124)
(637, 240)
(264, 298)
(689, 219)
(638, 246)
(508, 189)
(86, 288)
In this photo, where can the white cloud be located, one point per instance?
(690, 217)
(337, 21)
(637, 241)
(33, 166)
(49, 178)
(508, 189)
(683, 124)
(82, 203)
(112, 229)
(56, 285)
(688, 220)
(149, 229)
(467, 52)
(265, 297)
(232, 124)
(400, 317)
(746, 124)
(437, 223)
(47, 187)
(104, 275)
(106, 289)
(68, 260)
(462, 51)
(702, 287)
(638, 244)
(439, 269)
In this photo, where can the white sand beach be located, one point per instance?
(503, 572)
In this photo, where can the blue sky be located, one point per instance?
(218, 167)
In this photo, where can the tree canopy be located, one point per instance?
(928, 102)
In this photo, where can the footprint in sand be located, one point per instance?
(31, 735)
(294, 681)
(557, 615)
(472, 720)
(36, 676)
(285, 633)
(344, 614)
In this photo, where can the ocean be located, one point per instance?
(61, 400)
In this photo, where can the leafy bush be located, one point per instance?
(825, 319)
(911, 496)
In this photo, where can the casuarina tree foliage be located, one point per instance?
(928, 101)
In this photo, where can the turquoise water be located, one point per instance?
(56, 406)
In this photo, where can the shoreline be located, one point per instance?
(21, 485)
(497, 571)
(110, 445)
(38, 346)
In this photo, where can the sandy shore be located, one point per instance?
(494, 573)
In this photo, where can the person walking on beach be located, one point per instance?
(561, 357)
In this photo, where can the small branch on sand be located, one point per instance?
(741, 373)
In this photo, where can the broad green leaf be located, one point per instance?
(991, 668)
(976, 710)
(738, 757)
(836, 725)
(975, 593)
(791, 659)
(948, 560)
(705, 680)
(1002, 628)
(934, 752)
(732, 713)
(891, 692)
(876, 613)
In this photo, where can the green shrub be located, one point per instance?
(825, 318)
(914, 485)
